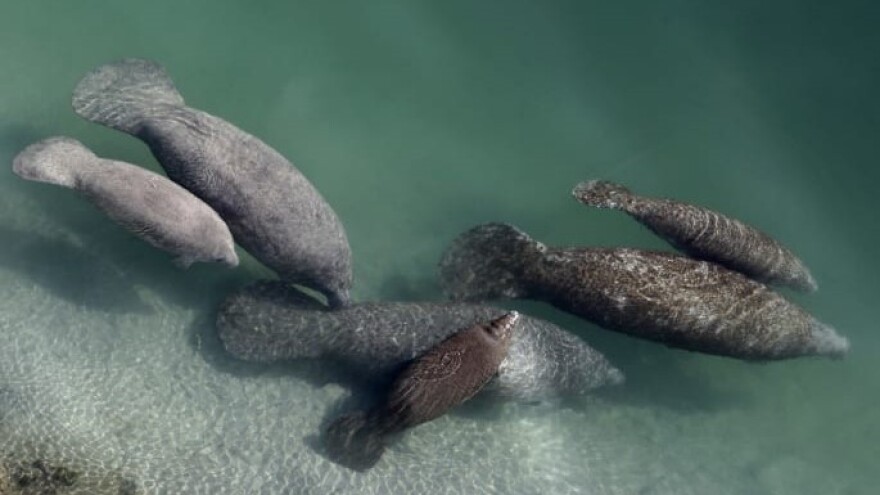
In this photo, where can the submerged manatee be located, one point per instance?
(704, 234)
(147, 204)
(669, 298)
(445, 376)
(269, 321)
(274, 212)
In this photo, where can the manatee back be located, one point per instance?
(159, 211)
(709, 235)
(269, 321)
(272, 209)
(681, 302)
(445, 376)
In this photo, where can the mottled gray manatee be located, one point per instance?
(704, 234)
(665, 297)
(269, 322)
(147, 204)
(445, 376)
(274, 212)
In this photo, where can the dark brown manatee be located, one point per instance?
(665, 297)
(704, 234)
(273, 211)
(144, 203)
(445, 376)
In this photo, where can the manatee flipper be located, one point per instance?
(485, 262)
(183, 262)
(355, 441)
(602, 194)
(55, 160)
(121, 94)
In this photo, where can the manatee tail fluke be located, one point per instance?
(121, 94)
(827, 341)
(485, 262)
(56, 160)
(601, 194)
(271, 321)
(355, 441)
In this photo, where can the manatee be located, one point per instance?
(273, 211)
(146, 204)
(704, 234)
(665, 297)
(445, 376)
(270, 322)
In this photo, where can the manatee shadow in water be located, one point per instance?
(358, 400)
(483, 408)
(69, 272)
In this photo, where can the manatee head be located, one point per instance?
(501, 329)
(546, 362)
(219, 247)
(228, 257)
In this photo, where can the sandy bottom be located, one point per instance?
(115, 373)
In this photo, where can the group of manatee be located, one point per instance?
(227, 187)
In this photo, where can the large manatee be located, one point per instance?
(665, 297)
(270, 322)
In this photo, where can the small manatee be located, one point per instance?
(704, 234)
(146, 204)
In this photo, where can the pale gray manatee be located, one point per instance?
(273, 211)
(444, 376)
(704, 234)
(270, 322)
(150, 206)
(665, 297)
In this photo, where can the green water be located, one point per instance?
(417, 120)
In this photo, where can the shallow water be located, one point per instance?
(417, 120)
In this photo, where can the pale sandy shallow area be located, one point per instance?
(137, 392)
